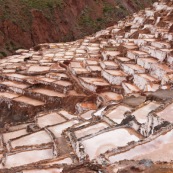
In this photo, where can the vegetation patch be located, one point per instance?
(2, 54)
(42, 5)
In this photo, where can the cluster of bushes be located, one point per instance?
(43, 4)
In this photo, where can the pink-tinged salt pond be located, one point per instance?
(50, 119)
(38, 138)
(160, 149)
(27, 157)
(67, 161)
(48, 92)
(50, 170)
(8, 95)
(167, 113)
(28, 100)
(87, 115)
(117, 114)
(141, 113)
(90, 130)
(58, 129)
(107, 141)
(11, 135)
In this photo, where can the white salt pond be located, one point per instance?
(117, 114)
(50, 119)
(30, 157)
(14, 134)
(37, 138)
(66, 114)
(87, 115)
(160, 149)
(38, 69)
(67, 161)
(167, 113)
(107, 141)
(8, 95)
(53, 170)
(58, 129)
(48, 92)
(90, 130)
(28, 100)
(141, 113)
(108, 96)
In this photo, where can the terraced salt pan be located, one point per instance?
(167, 113)
(145, 82)
(14, 84)
(1, 145)
(160, 70)
(37, 138)
(9, 71)
(148, 77)
(107, 141)
(108, 96)
(160, 149)
(75, 64)
(38, 69)
(122, 59)
(48, 92)
(63, 83)
(131, 69)
(66, 114)
(111, 54)
(146, 62)
(59, 76)
(91, 62)
(58, 129)
(8, 95)
(14, 134)
(92, 83)
(94, 68)
(50, 119)
(78, 71)
(81, 124)
(16, 60)
(29, 101)
(44, 79)
(52, 170)
(109, 65)
(27, 157)
(67, 161)
(11, 66)
(95, 81)
(90, 130)
(116, 72)
(100, 112)
(14, 75)
(141, 113)
(130, 47)
(87, 115)
(130, 88)
(117, 114)
(136, 54)
(87, 106)
(115, 77)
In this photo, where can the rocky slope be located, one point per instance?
(25, 23)
(101, 104)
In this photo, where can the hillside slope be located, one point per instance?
(25, 23)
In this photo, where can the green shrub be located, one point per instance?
(43, 4)
(2, 54)
(108, 8)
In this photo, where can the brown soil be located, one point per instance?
(24, 24)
